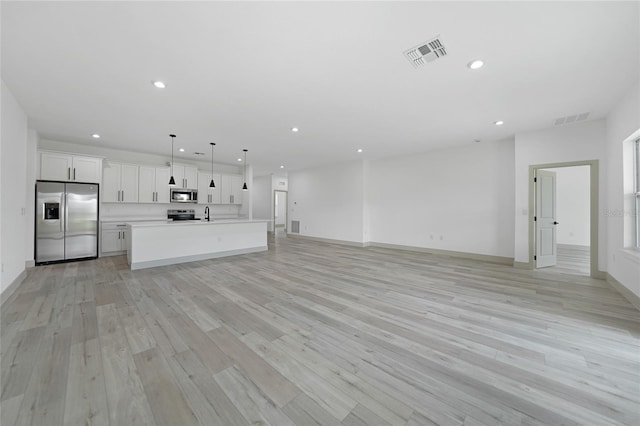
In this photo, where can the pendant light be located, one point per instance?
(172, 181)
(244, 187)
(212, 183)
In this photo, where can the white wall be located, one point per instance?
(328, 201)
(458, 199)
(262, 199)
(13, 220)
(572, 205)
(281, 208)
(622, 122)
(574, 142)
(32, 161)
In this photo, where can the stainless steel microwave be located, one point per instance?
(179, 195)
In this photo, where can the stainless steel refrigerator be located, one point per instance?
(66, 221)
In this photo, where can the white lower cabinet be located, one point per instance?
(114, 239)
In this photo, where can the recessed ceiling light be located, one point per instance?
(159, 84)
(239, 160)
(476, 140)
(181, 150)
(475, 64)
(282, 167)
(359, 150)
(95, 136)
(498, 123)
(294, 129)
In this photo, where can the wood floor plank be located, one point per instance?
(225, 409)
(334, 401)
(274, 385)
(127, 400)
(18, 363)
(138, 334)
(305, 411)
(44, 398)
(86, 400)
(200, 406)
(165, 398)
(9, 409)
(253, 404)
(85, 322)
(362, 416)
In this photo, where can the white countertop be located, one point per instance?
(131, 219)
(152, 219)
(192, 222)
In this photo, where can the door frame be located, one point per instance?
(286, 210)
(593, 211)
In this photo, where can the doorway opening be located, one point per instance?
(280, 213)
(563, 232)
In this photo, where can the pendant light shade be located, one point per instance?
(212, 184)
(244, 187)
(172, 181)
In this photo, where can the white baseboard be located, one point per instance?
(8, 292)
(29, 263)
(464, 255)
(633, 298)
(522, 265)
(328, 240)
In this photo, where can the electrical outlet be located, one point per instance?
(431, 236)
(2, 268)
(441, 237)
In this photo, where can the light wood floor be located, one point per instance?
(311, 333)
(573, 260)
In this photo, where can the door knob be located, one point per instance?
(556, 223)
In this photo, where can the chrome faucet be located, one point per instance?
(206, 213)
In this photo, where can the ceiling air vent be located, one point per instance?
(571, 119)
(198, 153)
(426, 52)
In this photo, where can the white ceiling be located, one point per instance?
(241, 74)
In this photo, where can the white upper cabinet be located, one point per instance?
(185, 176)
(70, 168)
(208, 195)
(153, 185)
(120, 183)
(231, 191)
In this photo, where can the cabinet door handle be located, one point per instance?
(74, 173)
(118, 234)
(123, 195)
(155, 195)
(69, 173)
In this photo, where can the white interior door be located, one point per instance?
(546, 254)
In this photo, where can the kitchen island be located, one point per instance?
(153, 244)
